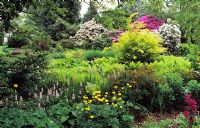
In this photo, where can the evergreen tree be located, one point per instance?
(58, 18)
(91, 13)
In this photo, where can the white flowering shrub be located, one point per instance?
(171, 35)
(89, 31)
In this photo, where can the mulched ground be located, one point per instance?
(156, 117)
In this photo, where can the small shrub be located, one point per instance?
(142, 46)
(142, 82)
(26, 72)
(171, 65)
(190, 51)
(100, 43)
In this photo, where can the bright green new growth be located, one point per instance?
(142, 46)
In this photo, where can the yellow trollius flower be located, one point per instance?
(15, 85)
(87, 109)
(115, 105)
(113, 93)
(85, 97)
(92, 116)
(115, 87)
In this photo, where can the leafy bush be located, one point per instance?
(137, 46)
(190, 51)
(142, 82)
(176, 97)
(26, 72)
(100, 42)
(171, 65)
(17, 41)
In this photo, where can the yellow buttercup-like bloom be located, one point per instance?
(115, 87)
(85, 97)
(90, 101)
(15, 85)
(114, 98)
(87, 109)
(115, 105)
(92, 116)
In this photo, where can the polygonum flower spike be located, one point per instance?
(191, 109)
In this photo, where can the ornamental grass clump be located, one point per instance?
(136, 46)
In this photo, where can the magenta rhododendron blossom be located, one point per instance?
(150, 22)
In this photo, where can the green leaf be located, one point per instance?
(64, 119)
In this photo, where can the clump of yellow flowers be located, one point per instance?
(113, 97)
(15, 85)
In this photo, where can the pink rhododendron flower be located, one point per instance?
(150, 22)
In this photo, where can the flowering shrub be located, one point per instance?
(171, 34)
(89, 31)
(190, 109)
(150, 22)
(115, 35)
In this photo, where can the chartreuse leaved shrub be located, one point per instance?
(190, 51)
(142, 46)
(167, 65)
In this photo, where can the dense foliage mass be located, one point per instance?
(109, 68)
